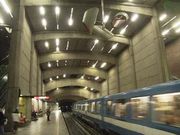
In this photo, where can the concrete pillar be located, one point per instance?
(14, 63)
(132, 61)
(161, 46)
(28, 108)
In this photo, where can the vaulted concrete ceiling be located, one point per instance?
(81, 58)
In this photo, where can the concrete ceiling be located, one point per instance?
(76, 42)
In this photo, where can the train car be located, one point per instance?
(151, 110)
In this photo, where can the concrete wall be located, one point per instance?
(148, 66)
(25, 58)
(105, 89)
(173, 58)
(30, 73)
(113, 80)
(126, 71)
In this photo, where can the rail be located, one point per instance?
(78, 127)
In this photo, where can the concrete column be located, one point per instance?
(132, 61)
(14, 63)
(118, 76)
(31, 66)
(161, 47)
(28, 108)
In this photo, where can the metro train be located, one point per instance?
(151, 110)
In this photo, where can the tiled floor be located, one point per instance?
(43, 127)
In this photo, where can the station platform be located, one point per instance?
(56, 126)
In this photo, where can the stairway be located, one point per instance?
(3, 81)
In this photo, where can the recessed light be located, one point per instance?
(49, 64)
(106, 18)
(57, 10)
(165, 32)
(134, 17)
(162, 17)
(42, 10)
(103, 64)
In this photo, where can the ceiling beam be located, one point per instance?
(79, 56)
(135, 8)
(72, 92)
(74, 70)
(71, 82)
(77, 35)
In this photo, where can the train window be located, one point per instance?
(86, 107)
(120, 107)
(98, 106)
(166, 108)
(83, 107)
(139, 107)
(109, 108)
(93, 106)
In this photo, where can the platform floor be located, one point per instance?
(56, 126)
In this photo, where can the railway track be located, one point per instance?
(78, 127)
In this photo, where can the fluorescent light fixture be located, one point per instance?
(57, 77)
(177, 24)
(46, 44)
(96, 78)
(113, 47)
(57, 49)
(57, 26)
(64, 75)
(70, 21)
(162, 17)
(106, 18)
(103, 64)
(1, 21)
(5, 78)
(49, 64)
(96, 41)
(178, 30)
(6, 7)
(50, 79)
(67, 46)
(57, 10)
(42, 10)
(44, 23)
(165, 32)
(94, 65)
(57, 42)
(82, 77)
(123, 30)
(102, 49)
(134, 17)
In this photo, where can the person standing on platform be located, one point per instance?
(48, 112)
(16, 119)
(2, 122)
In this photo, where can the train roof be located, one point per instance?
(171, 86)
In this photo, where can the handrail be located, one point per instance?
(4, 59)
